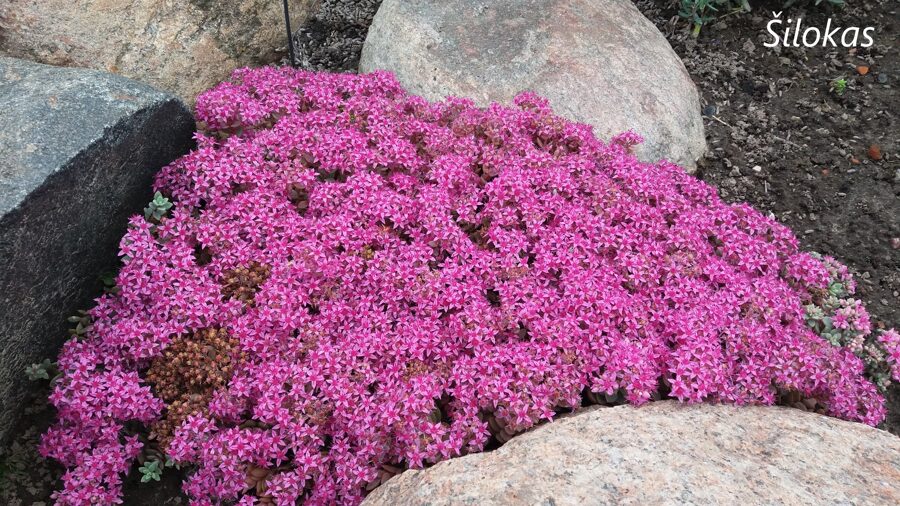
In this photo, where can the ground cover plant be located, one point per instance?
(343, 281)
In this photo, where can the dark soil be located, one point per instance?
(782, 140)
(778, 138)
(332, 40)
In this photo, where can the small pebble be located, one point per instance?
(710, 110)
(882, 78)
(863, 70)
(749, 46)
(757, 168)
(895, 243)
(735, 172)
(875, 152)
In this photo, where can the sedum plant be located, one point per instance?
(836, 316)
(352, 281)
(151, 471)
(157, 208)
(40, 371)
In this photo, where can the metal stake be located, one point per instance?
(290, 34)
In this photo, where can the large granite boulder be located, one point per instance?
(598, 61)
(78, 150)
(668, 453)
(183, 46)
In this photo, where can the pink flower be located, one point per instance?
(840, 321)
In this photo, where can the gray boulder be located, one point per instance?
(668, 453)
(78, 151)
(599, 62)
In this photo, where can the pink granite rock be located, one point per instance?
(668, 453)
(182, 46)
(599, 62)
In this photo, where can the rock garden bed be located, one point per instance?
(489, 284)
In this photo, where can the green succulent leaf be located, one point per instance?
(151, 470)
(40, 371)
(157, 208)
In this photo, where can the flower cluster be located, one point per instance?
(843, 321)
(405, 281)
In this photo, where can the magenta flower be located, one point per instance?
(405, 279)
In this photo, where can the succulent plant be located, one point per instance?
(157, 208)
(151, 471)
(40, 371)
(82, 321)
(350, 277)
